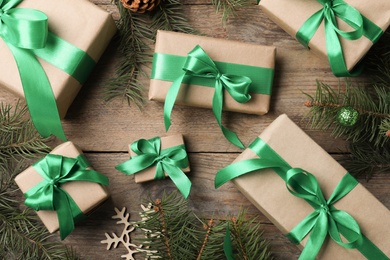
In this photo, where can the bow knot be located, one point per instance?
(332, 9)
(170, 161)
(48, 194)
(199, 64)
(325, 208)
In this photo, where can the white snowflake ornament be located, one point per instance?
(124, 238)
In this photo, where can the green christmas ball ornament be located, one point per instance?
(347, 116)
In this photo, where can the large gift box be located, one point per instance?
(80, 23)
(284, 142)
(254, 61)
(157, 158)
(291, 15)
(67, 172)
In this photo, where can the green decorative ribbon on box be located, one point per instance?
(48, 194)
(360, 24)
(198, 68)
(25, 31)
(170, 160)
(325, 219)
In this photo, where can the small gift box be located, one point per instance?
(157, 158)
(361, 23)
(63, 188)
(211, 73)
(313, 200)
(45, 57)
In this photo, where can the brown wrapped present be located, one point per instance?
(259, 58)
(157, 158)
(291, 15)
(266, 188)
(86, 194)
(78, 22)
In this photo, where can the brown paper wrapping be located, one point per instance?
(290, 15)
(87, 195)
(79, 22)
(219, 50)
(166, 142)
(268, 192)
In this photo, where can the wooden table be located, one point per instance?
(104, 130)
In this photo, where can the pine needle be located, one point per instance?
(229, 8)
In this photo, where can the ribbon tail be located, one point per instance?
(217, 110)
(179, 178)
(170, 100)
(227, 245)
(67, 212)
(38, 93)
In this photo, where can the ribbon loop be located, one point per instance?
(331, 10)
(170, 161)
(48, 194)
(199, 64)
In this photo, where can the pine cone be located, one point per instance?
(140, 6)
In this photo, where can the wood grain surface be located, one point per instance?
(104, 130)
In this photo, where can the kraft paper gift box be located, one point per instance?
(78, 22)
(166, 142)
(219, 50)
(291, 15)
(268, 192)
(87, 195)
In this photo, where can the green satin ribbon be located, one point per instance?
(360, 24)
(227, 245)
(25, 31)
(49, 195)
(170, 160)
(198, 68)
(325, 219)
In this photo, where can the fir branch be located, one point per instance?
(366, 158)
(134, 40)
(229, 8)
(18, 136)
(173, 231)
(372, 105)
(169, 16)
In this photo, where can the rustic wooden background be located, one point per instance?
(104, 129)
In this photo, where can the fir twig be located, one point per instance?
(373, 107)
(18, 136)
(173, 231)
(229, 8)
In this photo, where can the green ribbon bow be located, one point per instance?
(25, 31)
(170, 160)
(227, 244)
(48, 194)
(325, 219)
(360, 24)
(199, 64)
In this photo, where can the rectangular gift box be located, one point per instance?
(290, 15)
(268, 192)
(220, 50)
(166, 142)
(79, 22)
(87, 195)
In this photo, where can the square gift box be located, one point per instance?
(87, 195)
(78, 22)
(291, 15)
(232, 57)
(268, 192)
(166, 142)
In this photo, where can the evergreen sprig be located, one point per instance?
(372, 105)
(174, 232)
(136, 35)
(229, 8)
(18, 137)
